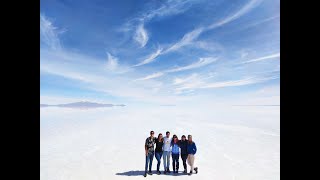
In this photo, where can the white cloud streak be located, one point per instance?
(240, 82)
(199, 84)
(272, 56)
(186, 40)
(94, 77)
(151, 76)
(178, 81)
(202, 62)
(259, 22)
(151, 58)
(245, 9)
(112, 62)
(49, 33)
(169, 8)
(141, 35)
(193, 35)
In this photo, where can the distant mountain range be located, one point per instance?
(82, 105)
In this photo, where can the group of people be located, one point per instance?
(166, 147)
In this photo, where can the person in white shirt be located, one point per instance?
(166, 152)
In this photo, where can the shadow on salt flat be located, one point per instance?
(131, 173)
(141, 173)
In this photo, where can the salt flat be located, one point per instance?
(234, 143)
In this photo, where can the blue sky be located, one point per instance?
(160, 51)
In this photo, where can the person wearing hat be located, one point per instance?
(166, 152)
(191, 149)
(149, 152)
(184, 153)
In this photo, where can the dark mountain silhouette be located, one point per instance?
(44, 105)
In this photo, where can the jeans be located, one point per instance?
(175, 162)
(149, 159)
(184, 160)
(158, 157)
(166, 159)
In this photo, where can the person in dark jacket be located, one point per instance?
(192, 150)
(175, 154)
(159, 151)
(184, 154)
(149, 152)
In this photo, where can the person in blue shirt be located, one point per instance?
(192, 150)
(175, 154)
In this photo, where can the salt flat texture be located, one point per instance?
(234, 143)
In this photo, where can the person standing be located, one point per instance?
(149, 152)
(192, 150)
(159, 151)
(166, 152)
(184, 153)
(175, 154)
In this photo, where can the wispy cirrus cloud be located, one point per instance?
(243, 10)
(150, 58)
(186, 40)
(168, 8)
(257, 23)
(189, 37)
(178, 81)
(272, 56)
(49, 33)
(93, 76)
(100, 74)
(202, 62)
(193, 35)
(241, 82)
(176, 7)
(198, 83)
(136, 25)
(211, 47)
(151, 76)
(112, 62)
(141, 35)
(188, 83)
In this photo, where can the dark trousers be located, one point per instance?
(184, 160)
(149, 159)
(158, 157)
(175, 162)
